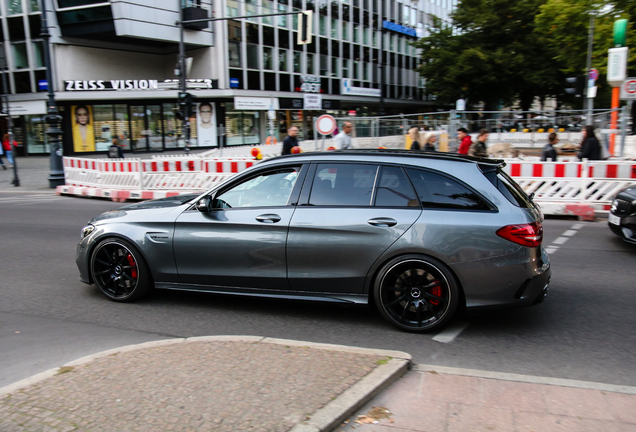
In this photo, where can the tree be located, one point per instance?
(492, 54)
(566, 24)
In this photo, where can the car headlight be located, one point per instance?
(87, 230)
(614, 205)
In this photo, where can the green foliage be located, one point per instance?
(516, 51)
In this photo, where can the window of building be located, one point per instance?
(267, 7)
(311, 63)
(365, 71)
(268, 60)
(252, 55)
(356, 70)
(324, 65)
(251, 9)
(253, 80)
(334, 66)
(322, 25)
(297, 62)
(38, 54)
(20, 58)
(282, 60)
(334, 28)
(232, 8)
(365, 35)
(282, 19)
(345, 68)
(34, 6)
(234, 52)
(22, 82)
(356, 33)
(241, 127)
(345, 30)
(14, 7)
(171, 125)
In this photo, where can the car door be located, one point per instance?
(347, 216)
(240, 241)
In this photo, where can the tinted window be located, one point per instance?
(265, 190)
(395, 189)
(343, 185)
(439, 191)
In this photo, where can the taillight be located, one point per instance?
(529, 235)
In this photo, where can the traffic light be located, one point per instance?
(579, 85)
(305, 20)
(185, 105)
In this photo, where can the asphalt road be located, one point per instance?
(584, 330)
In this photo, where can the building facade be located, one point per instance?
(114, 63)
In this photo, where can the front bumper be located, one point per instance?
(81, 259)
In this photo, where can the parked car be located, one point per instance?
(419, 235)
(622, 215)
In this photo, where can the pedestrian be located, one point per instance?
(7, 146)
(478, 148)
(590, 147)
(343, 139)
(114, 151)
(4, 167)
(414, 134)
(549, 152)
(291, 141)
(465, 141)
(430, 139)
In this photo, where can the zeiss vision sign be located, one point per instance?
(399, 28)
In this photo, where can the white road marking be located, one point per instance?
(560, 240)
(569, 233)
(450, 333)
(551, 249)
(577, 226)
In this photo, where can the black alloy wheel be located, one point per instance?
(119, 271)
(416, 294)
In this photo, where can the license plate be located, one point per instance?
(614, 220)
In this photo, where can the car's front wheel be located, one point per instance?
(119, 271)
(416, 294)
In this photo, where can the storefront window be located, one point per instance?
(242, 127)
(171, 126)
(120, 126)
(103, 126)
(36, 141)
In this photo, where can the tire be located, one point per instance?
(416, 293)
(119, 270)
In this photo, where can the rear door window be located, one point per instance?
(395, 189)
(343, 185)
(439, 191)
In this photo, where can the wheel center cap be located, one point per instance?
(118, 270)
(416, 293)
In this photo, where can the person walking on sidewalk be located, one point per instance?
(291, 141)
(115, 151)
(7, 146)
(590, 147)
(343, 139)
(478, 148)
(549, 151)
(465, 141)
(414, 134)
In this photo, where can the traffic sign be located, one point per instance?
(325, 124)
(628, 89)
(594, 74)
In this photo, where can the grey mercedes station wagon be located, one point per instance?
(417, 234)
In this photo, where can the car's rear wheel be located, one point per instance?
(416, 294)
(119, 271)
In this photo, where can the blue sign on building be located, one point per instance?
(399, 28)
(43, 85)
(234, 83)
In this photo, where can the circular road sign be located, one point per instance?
(630, 87)
(325, 124)
(594, 74)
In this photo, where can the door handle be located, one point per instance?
(268, 218)
(382, 222)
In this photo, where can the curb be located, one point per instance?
(324, 419)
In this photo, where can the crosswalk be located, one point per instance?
(30, 199)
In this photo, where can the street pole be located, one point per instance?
(182, 77)
(53, 119)
(588, 68)
(5, 98)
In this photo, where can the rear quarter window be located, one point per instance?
(439, 191)
(509, 188)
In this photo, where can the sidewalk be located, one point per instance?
(243, 383)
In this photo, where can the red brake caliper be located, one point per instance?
(436, 291)
(131, 261)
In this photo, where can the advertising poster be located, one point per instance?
(206, 125)
(83, 133)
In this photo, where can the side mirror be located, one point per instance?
(203, 205)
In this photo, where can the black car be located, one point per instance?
(622, 216)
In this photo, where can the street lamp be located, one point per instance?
(53, 119)
(5, 98)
